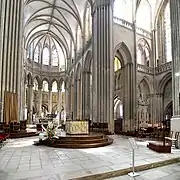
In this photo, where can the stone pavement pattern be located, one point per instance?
(21, 160)
(170, 172)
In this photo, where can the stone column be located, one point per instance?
(87, 94)
(175, 36)
(11, 51)
(128, 99)
(39, 100)
(74, 100)
(50, 100)
(78, 102)
(103, 82)
(30, 103)
(67, 96)
(59, 103)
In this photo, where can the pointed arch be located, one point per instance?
(147, 81)
(123, 53)
(145, 89)
(53, 80)
(38, 80)
(164, 81)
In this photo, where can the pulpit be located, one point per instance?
(75, 127)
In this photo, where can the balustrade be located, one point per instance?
(144, 69)
(163, 68)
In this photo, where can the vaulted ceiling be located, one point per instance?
(53, 20)
(57, 21)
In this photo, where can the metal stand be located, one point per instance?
(133, 173)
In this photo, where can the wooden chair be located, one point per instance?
(171, 139)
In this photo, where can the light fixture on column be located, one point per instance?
(177, 74)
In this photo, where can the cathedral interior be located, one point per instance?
(108, 65)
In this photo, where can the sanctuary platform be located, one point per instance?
(91, 140)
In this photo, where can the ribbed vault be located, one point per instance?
(54, 22)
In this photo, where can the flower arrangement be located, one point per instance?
(50, 130)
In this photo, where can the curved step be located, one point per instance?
(85, 137)
(81, 142)
(88, 145)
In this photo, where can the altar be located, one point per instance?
(75, 127)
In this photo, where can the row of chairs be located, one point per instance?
(13, 126)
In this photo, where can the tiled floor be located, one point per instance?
(19, 159)
(170, 172)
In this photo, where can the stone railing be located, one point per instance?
(163, 68)
(144, 69)
(129, 25)
(123, 23)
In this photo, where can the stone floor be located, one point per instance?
(171, 172)
(20, 159)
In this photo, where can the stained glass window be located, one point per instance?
(45, 86)
(54, 57)
(54, 86)
(46, 54)
(36, 54)
(35, 87)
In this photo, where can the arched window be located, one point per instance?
(164, 35)
(146, 56)
(54, 57)
(167, 24)
(62, 87)
(88, 23)
(139, 55)
(45, 86)
(123, 9)
(143, 52)
(54, 86)
(143, 16)
(46, 56)
(30, 52)
(35, 87)
(117, 64)
(36, 54)
(79, 39)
